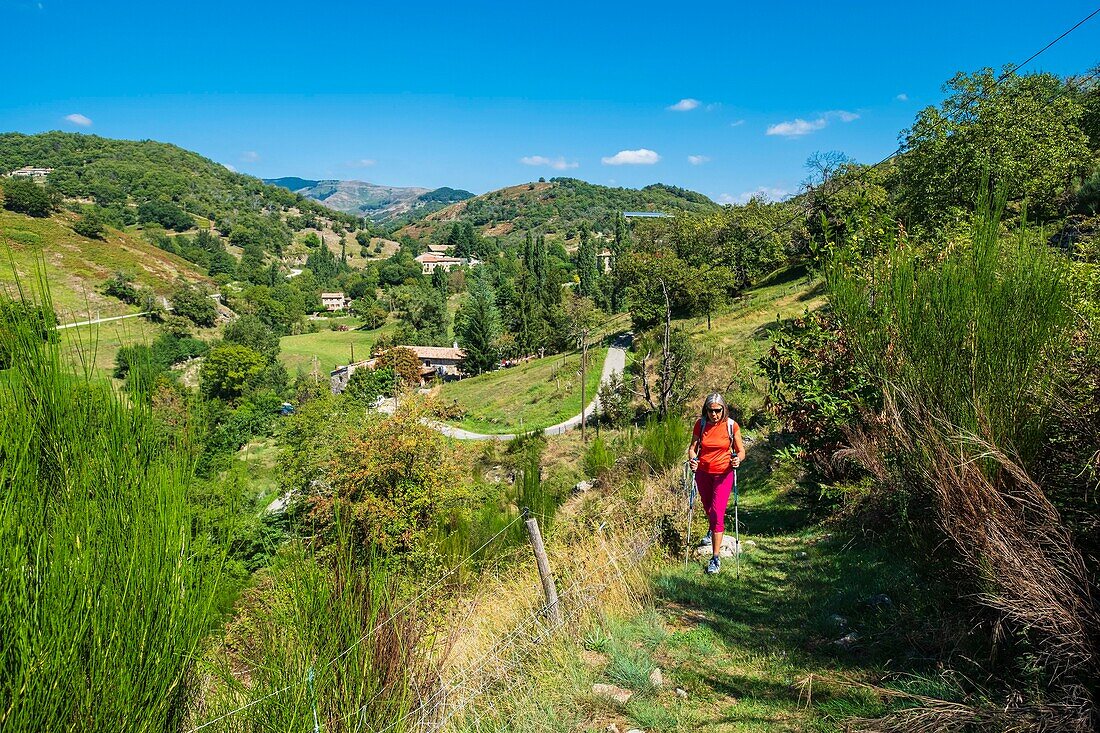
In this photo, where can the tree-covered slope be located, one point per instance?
(556, 207)
(120, 175)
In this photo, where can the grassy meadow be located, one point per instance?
(537, 394)
(331, 348)
(76, 266)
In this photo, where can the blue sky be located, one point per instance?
(480, 95)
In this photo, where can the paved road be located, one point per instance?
(614, 362)
(100, 320)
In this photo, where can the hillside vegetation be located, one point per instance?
(77, 266)
(557, 207)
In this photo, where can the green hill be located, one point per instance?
(147, 181)
(556, 207)
(77, 266)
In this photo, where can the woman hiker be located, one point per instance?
(715, 450)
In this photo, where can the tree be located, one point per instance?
(477, 326)
(404, 363)
(24, 196)
(1021, 132)
(90, 226)
(250, 331)
(193, 302)
(229, 370)
(587, 268)
(367, 385)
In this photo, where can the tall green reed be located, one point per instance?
(323, 634)
(664, 442)
(968, 337)
(104, 592)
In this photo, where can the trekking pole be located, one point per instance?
(736, 530)
(689, 489)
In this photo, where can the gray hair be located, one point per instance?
(714, 398)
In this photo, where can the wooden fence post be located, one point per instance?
(548, 586)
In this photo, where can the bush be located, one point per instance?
(195, 303)
(24, 196)
(664, 443)
(121, 286)
(89, 226)
(229, 370)
(816, 387)
(87, 644)
(598, 459)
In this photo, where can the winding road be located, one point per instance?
(614, 362)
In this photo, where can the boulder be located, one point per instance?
(611, 692)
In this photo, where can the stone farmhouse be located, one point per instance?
(430, 261)
(444, 362)
(333, 302)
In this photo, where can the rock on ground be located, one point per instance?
(611, 692)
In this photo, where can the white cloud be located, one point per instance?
(559, 163)
(250, 156)
(903, 97)
(362, 163)
(798, 126)
(764, 192)
(684, 105)
(737, 123)
(698, 159)
(79, 119)
(641, 156)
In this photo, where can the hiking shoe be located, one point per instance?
(714, 566)
(707, 538)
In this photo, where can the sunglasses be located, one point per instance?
(714, 409)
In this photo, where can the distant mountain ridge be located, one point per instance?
(374, 201)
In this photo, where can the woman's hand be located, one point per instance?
(735, 460)
(693, 463)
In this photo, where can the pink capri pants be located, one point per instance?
(714, 490)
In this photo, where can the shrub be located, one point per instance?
(816, 387)
(598, 459)
(90, 226)
(664, 442)
(121, 286)
(24, 196)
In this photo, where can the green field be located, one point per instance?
(331, 348)
(534, 395)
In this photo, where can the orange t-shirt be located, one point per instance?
(714, 449)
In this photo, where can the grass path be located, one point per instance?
(788, 644)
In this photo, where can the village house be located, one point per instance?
(444, 362)
(440, 249)
(333, 302)
(428, 262)
(29, 171)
